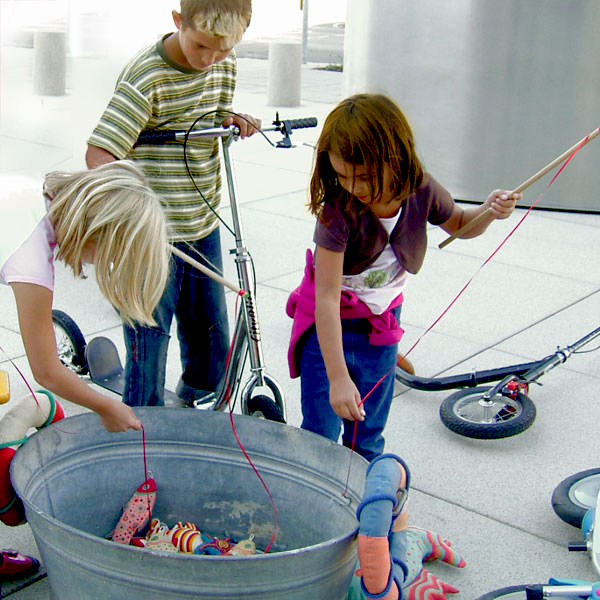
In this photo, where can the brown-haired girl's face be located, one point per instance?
(359, 181)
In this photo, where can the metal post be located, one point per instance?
(304, 6)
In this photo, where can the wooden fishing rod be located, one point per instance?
(558, 160)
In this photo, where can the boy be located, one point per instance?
(186, 79)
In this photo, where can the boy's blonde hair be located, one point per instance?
(225, 19)
(113, 208)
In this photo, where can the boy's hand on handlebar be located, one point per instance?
(117, 416)
(344, 398)
(502, 203)
(247, 124)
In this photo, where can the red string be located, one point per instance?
(146, 474)
(12, 362)
(245, 453)
(356, 427)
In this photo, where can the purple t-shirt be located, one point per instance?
(362, 238)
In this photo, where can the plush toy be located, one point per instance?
(30, 411)
(246, 547)
(137, 513)
(391, 553)
(160, 537)
(188, 539)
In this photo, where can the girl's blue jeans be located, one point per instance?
(198, 304)
(367, 364)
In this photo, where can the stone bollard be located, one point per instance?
(49, 61)
(285, 69)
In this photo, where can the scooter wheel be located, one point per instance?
(263, 407)
(573, 496)
(514, 592)
(70, 342)
(466, 413)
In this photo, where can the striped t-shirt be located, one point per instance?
(154, 92)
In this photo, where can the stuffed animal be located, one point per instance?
(37, 411)
(137, 513)
(160, 537)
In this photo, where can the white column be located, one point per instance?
(285, 73)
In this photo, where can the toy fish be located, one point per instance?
(136, 512)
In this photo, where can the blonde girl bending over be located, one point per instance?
(107, 217)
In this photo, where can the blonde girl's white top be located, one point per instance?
(27, 241)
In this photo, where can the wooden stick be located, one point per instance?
(559, 159)
(188, 259)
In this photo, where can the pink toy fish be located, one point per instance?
(136, 512)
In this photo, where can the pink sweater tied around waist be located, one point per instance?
(301, 307)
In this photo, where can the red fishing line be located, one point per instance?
(245, 453)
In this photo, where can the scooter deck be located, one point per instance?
(11, 587)
(106, 370)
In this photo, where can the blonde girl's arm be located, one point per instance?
(344, 396)
(34, 307)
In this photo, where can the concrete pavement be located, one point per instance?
(491, 498)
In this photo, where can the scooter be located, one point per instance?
(99, 359)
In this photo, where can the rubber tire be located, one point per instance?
(564, 505)
(508, 593)
(76, 360)
(263, 407)
(487, 431)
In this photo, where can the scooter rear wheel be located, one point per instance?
(70, 342)
(466, 412)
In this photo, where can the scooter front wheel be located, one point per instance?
(575, 495)
(263, 407)
(468, 413)
(514, 592)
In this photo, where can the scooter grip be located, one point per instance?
(156, 138)
(302, 123)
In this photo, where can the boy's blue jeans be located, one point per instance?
(367, 364)
(198, 304)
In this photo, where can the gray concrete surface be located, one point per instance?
(491, 498)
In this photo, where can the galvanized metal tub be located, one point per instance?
(75, 478)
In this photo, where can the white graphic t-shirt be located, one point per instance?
(383, 281)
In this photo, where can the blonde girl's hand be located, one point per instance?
(248, 124)
(344, 398)
(502, 203)
(117, 416)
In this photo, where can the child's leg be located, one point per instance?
(317, 414)
(146, 348)
(368, 364)
(202, 324)
(382, 510)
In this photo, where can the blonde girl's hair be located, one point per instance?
(369, 130)
(112, 208)
(225, 19)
